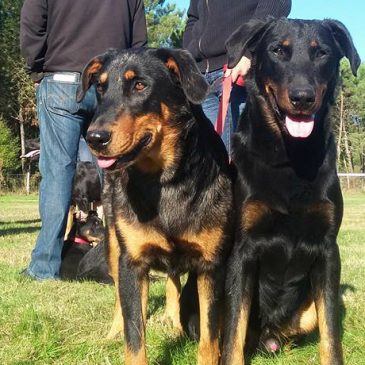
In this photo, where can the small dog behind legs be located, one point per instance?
(84, 255)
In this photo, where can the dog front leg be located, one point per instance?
(133, 293)
(210, 289)
(172, 310)
(238, 298)
(326, 282)
(113, 261)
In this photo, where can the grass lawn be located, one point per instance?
(66, 323)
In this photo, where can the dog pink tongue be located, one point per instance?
(299, 127)
(104, 163)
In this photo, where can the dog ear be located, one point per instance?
(183, 65)
(344, 42)
(245, 38)
(88, 76)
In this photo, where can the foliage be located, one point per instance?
(17, 102)
(9, 149)
(165, 23)
(351, 147)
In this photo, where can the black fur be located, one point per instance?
(287, 193)
(86, 186)
(84, 261)
(190, 194)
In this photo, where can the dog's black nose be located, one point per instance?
(302, 98)
(98, 139)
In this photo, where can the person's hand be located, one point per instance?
(240, 69)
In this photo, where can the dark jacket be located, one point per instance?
(211, 22)
(63, 35)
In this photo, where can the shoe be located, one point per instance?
(24, 274)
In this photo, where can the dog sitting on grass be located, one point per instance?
(84, 253)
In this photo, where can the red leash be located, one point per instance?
(223, 103)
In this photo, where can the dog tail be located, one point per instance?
(189, 307)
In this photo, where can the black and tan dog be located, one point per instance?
(84, 253)
(284, 271)
(167, 191)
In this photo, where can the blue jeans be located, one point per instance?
(236, 104)
(84, 151)
(61, 121)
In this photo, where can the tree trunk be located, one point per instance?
(340, 129)
(350, 164)
(22, 137)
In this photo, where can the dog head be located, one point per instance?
(295, 66)
(92, 228)
(142, 97)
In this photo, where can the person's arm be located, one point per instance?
(33, 36)
(192, 18)
(275, 8)
(139, 32)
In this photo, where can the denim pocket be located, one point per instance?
(61, 97)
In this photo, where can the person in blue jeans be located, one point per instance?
(210, 23)
(57, 39)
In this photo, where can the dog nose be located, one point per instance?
(302, 98)
(98, 139)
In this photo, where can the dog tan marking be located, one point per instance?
(304, 321)
(238, 346)
(94, 67)
(131, 358)
(206, 241)
(113, 259)
(162, 154)
(70, 220)
(326, 345)
(144, 287)
(268, 111)
(103, 77)
(117, 327)
(139, 238)
(252, 213)
(208, 350)
(172, 65)
(140, 358)
(313, 43)
(172, 308)
(323, 211)
(280, 96)
(129, 75)
(114, 253)
(286, 43)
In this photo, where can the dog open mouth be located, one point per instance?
(299, 126)
(125, 159)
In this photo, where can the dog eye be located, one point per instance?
(320, 53)
(278, 51)
(139, 86)
(100, 88)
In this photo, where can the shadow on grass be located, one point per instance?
(29, 221)
(6, 228)
(17, 230)
(156, 302)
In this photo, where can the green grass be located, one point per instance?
(66, 323)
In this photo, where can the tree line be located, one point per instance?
(165, 24)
